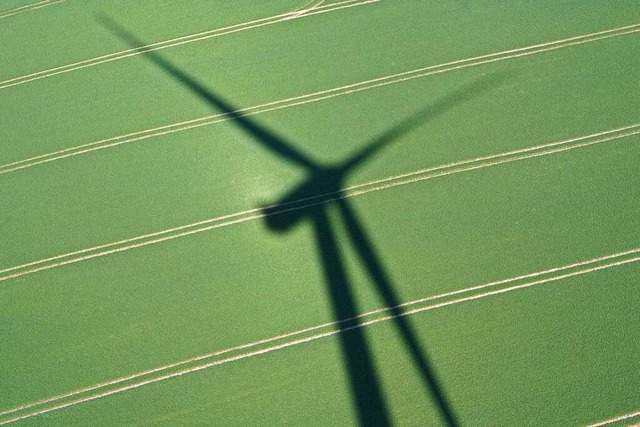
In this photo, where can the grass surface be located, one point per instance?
(557, 353)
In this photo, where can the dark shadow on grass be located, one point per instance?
(323, 188)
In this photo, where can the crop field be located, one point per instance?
(340, 212)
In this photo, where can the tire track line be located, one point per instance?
(353, 191)
(205, 35)
(316, 97)
(366, 319)
(28, 8)
(616, 420)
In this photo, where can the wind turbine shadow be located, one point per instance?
(325, 186)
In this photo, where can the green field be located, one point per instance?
(184, 241)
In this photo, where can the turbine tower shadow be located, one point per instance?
(325, 186)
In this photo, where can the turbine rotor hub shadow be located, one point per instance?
(305, 201)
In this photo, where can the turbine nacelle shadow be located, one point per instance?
(323, 185)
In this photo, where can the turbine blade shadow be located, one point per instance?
(364, 248)
(264, 136)
(460, 95)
